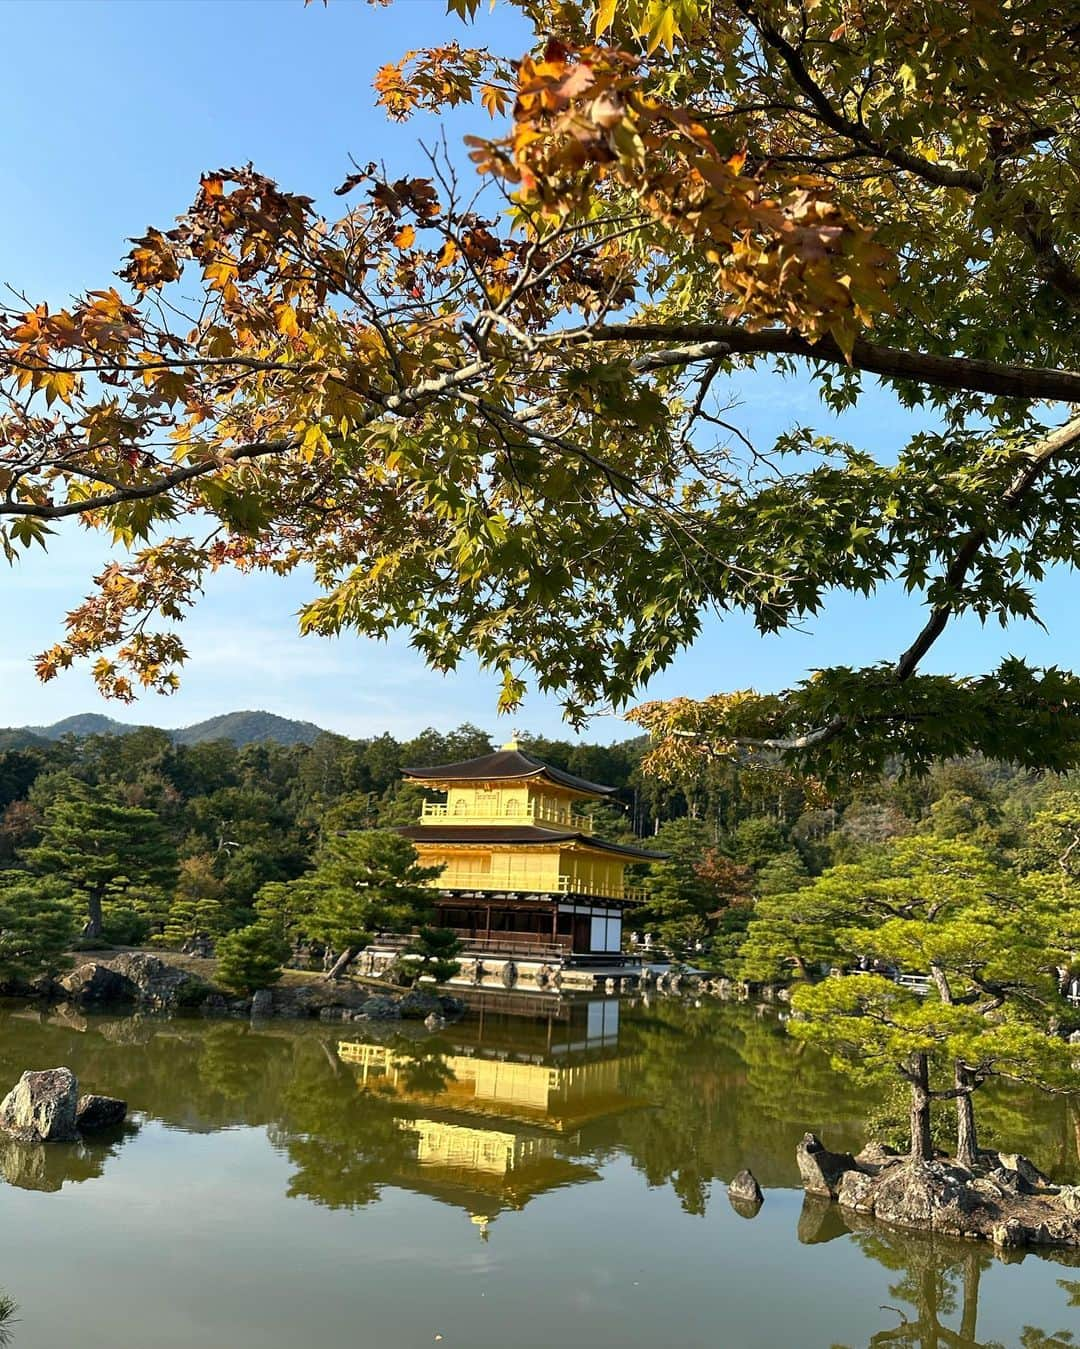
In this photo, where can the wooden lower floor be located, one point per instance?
(563, 926)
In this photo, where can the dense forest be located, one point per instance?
(167, 840)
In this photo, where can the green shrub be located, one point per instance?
(251, 958)
(124, 926)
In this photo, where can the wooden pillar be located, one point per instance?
(487, 931)
(554, 924)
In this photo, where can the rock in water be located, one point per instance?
(262, 1004)
(157, 985)
(41, 1107)
(93, 982)
(99, 1112)
(929, 1196)
(744, 1189)
(419, 1003)
(820, 1169)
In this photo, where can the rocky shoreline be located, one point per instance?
(1006, 1200)
(149, 983)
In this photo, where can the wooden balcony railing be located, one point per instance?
(438, 812)
(535, 882)
(535, 944)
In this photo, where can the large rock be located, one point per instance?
(745, 1191)
(99, 1112)
(93, 982)
(381, 1009)
(930, 1196)
(419, 1003)
(262, 1004)
(876, 1156)
(41, 1107)
(157, 984)
(1069, 1199)
(820, 1169)
(1031, 1178)
(856, 1191)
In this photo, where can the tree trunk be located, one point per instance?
(922, 1149)
(970, 1316)
(94, 923)
(342, 963)
(967, 1141)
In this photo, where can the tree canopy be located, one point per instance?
(500, 421)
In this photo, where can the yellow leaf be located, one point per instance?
(605, 15)
(406, 237)
(448, 256)
(285, 318)
(494, 99)
(664, 30)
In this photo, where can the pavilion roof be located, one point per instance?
(506, 765)
(519, 835)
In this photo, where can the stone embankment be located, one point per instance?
(1005, 1199)
(146, 982)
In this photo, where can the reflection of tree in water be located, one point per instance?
(939, 1281)
(731, 1090)
(345, 1143)
(7, 1318)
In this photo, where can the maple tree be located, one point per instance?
(500, 422)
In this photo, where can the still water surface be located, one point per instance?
(513, 1181)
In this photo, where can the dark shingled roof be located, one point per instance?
(505, 764)
(523, 834)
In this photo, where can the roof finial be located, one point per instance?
(512, 743)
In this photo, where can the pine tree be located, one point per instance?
(102, 849)
(434, 951)
(197, 908)
(250, 958)
(37, 926)
(987, 1005)
(363, 883)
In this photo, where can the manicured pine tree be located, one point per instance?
(985, 945)
(363, 883)
(100, 848)
(37, 925)
(434, 951)
(250, 958)
(197, 908)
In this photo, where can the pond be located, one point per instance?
(516, 1180)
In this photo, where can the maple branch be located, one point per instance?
(941, 175)
(1027, 223)
(704, 341)
(142, 491)
(1037, 460)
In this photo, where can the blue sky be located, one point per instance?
(112, 111)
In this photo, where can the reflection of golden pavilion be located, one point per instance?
(494, 1127)
(556, 1097)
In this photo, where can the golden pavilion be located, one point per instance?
(524, 874)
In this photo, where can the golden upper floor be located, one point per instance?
(508, 786)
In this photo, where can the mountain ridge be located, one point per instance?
(247, 727)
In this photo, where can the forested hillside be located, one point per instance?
(188, 834)
(242, 728)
